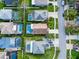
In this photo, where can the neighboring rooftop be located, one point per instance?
(35, 48)
(11, 2)
(38, 15)
(3, 55)
(10, 28)
(37, 28)
(8, 42)
(40, 2)
(77, 5)
(8, 14)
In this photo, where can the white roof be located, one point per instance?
(6, 14)
(14, 27)
(2, 55)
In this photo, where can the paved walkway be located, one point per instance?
(72, 37)
(66, 7)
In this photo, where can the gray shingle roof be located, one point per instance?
(39, 15)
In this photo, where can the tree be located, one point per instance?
(71, 15)
(1, 5)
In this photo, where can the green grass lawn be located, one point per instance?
(75, 55)
(28, 2)
(50, 8)
(51, 23)
(1, 5)
(51, 36)
(48, 55)
(72, 30)
(19, 56)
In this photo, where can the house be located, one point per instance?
(11, 2)
(10, 28)
(38, 15)
(8, 14)
(8, 42)
(77, 5)
(39, 28)
(3, 55)
(34, 47)
(8, 55)
(76, 48)
(40, 2)
(77, 21)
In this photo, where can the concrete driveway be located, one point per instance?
(53, 14)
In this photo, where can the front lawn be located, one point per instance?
(48, 55)
(50, 8)
(19, 56)
(72, 30)
(75, 55)
(51, 23)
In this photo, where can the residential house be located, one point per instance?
(8, 55)
(39, 28)
(10, 28)
(34, 47)
(10, 45)
(40, 2)
(38, 15)
(8, 42)
(8, 14)
(3, 55)
(11, 2)
(76, 48)
(77, 5)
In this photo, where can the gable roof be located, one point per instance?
(39, 15)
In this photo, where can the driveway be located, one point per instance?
(53, 14)
(53, 3)
(53, 31)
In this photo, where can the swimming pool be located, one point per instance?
(28, 47)
(18, 42)
(29, 17)
(19, 28)
(14, 55)
(28, 29)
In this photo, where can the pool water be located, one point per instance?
(14, 55)
(20, 28)
(28, 30)
(29, 17)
